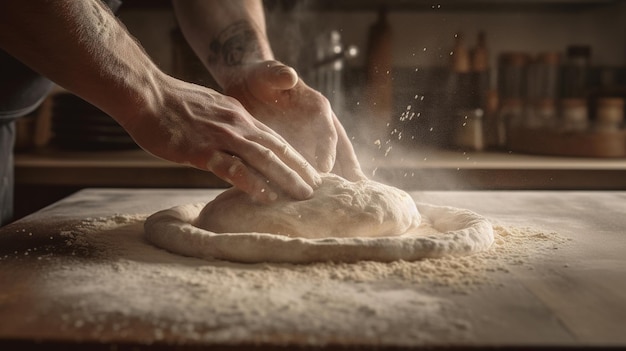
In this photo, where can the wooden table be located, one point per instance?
(575, 296)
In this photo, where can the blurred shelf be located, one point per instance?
(462, 5)
(48, 175)
(413, 5)
(427, 169)
(119, 168)
(435, 169)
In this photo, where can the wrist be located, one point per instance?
(236, 48)
(140, 98)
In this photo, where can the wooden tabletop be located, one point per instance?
(570, 293)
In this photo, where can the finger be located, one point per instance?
(278, 76)
(268, 82)
(347, 164)
(289, 155)
(232, 169)
(266, 162)
(326, 150)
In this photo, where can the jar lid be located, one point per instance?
(517, 59)
(611, 102)
(579, 51)
(550, 58)
(573, 103)
(512, 102)
(546, 103)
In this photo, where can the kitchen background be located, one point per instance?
(477, 94)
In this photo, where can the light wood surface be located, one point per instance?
(574, 297)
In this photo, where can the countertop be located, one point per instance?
(559, 285)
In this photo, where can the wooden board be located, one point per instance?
(574, 296)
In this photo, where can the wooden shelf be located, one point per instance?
(578, 144)
(419, 168)
(462, 5)
(48, 175)
(124, 168)
(412, 5)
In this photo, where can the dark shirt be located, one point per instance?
(21, 91)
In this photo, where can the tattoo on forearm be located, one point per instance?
(234, 45)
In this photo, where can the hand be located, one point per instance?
(193, 125)
(274, 94)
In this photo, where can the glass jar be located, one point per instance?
(609, 114)
(510, 116)
(575, 71)
(512, 75)
(542, 90)
(574, 114)
(469, 133)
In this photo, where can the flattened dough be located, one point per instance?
(338, 209)
(456, 232)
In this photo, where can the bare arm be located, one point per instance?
(230, 39)
(226, 35)
(82, 47)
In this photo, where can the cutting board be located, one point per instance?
(117, 291)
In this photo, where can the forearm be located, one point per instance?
(225, 34)
(81, 46)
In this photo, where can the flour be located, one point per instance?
(111, 280)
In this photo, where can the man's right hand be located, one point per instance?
(194, 125)
(81, 46)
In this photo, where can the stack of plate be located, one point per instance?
(78, 125)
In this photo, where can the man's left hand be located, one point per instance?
(273, 93)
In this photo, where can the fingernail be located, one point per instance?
(309, 193)
(317, 180)
(283, 70)
(326, 165)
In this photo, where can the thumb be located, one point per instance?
(278, 76)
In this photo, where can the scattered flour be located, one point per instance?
(108, 280)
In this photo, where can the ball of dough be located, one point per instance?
(338, 208)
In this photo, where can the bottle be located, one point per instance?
(512, 67)
(469, 135)
(459, 57)
(479, 56)
(491, 120)
(575, 71)
(510, 116)
(460, 90)
(542, 90)
(379, 82)
(471, 109)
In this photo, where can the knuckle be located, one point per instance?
(216, 162)
(230, 116)
(267, 155)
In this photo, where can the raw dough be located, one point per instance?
(338, 208)
(444, 231)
